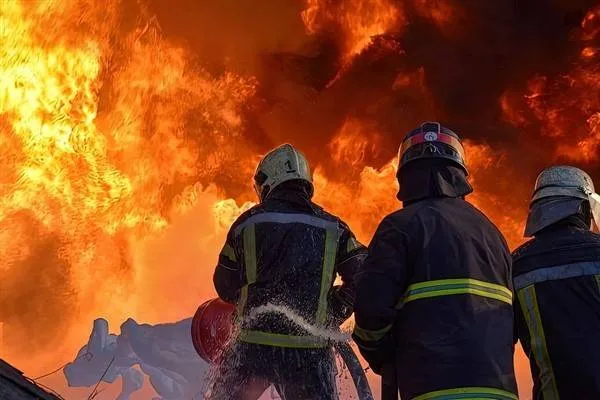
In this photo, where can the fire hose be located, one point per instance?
(356, 370)
(212, 326)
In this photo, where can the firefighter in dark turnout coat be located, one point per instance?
(434, 295)
(283, 255)
(557, 282)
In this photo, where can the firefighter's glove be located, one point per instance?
(340, 305)
(377, 353)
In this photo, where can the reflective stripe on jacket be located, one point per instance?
(557, 281)
(434, 296)
(283, 255)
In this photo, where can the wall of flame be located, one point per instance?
(130, 131)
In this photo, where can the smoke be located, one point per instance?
(154, 112)
(509, 75)
(42, 293)
(447, 60)
(233, 35)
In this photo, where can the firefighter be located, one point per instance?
(557, 286)
(285, 253)
(434, 295)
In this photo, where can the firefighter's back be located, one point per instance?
(438, 274)
(557, 281)
(278, 264)
(292, 245)
(455, 325)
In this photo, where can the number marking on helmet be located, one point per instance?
(289, 167)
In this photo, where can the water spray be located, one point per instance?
(212, 327)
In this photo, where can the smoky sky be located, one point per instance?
(467, 63)
(455, 72)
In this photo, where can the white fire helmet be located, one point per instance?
(559, 192)
(282, 164)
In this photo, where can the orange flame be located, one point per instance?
(440, 12)
(94, 150)
(554, 103)
(119, 151)
(358, 21)
(350, 145)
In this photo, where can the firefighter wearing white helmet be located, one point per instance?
(281, 164)
(559, 192)
(284, 253)
(556, 278)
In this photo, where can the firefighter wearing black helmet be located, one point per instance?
(278, 266)
(557, 286)
(434, 296)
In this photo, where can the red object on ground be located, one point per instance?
(211, 328)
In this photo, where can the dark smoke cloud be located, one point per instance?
(466, 63)
(233, 33)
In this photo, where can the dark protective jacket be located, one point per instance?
(286, 252)
(434, 296)
(297, 374)
(557, 310)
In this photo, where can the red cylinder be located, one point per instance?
(211, 328)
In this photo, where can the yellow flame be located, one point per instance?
(100, 128)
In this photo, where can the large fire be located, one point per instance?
(129, 138)
(358, 21)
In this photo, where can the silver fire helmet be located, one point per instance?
(560, 192)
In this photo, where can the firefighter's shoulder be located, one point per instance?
(244, 217)
(320, 212)
(349, 240)
(593, 237)
(406, 215)
(524, 256)
(522, 250)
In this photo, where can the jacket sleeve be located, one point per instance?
(381, 283)
(519, 319)
(229, 276)
(350, 256)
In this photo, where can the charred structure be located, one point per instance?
(15, 386)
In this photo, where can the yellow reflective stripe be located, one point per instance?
(242, 302)
(249, 240)
(280, 340)
(468, 393)
(228, 252)
(331, 239)
(468, 281)
(250, 253)
(529, 306)
(449, 287)
(598, 281)
(371, 336)
(450, 292)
